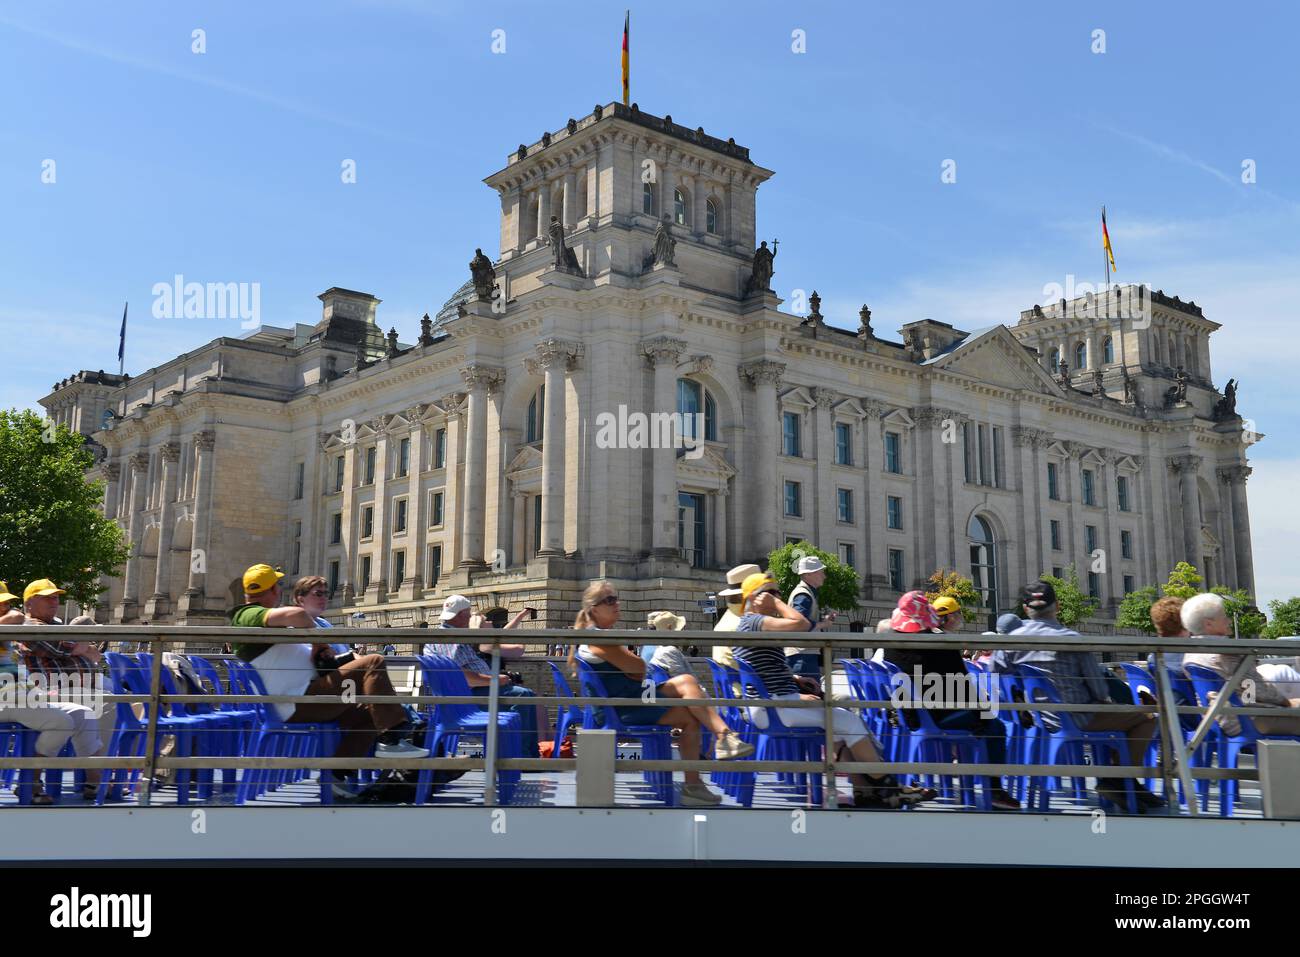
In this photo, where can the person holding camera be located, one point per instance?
(478, 673)
(314, 669)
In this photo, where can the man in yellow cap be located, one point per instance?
(9, 615)
(311, 669)
(949, 611)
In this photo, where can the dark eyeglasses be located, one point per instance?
(608, 600)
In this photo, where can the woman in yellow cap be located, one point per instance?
(764, 611)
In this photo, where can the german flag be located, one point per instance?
(627, 22)
(1105, 241)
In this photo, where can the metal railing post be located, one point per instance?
(490, 749)
(151, 733)
(1169, 714)
(829, 799)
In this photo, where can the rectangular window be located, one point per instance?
(365, 572)
(896, 569)
(893, 511)
(1128, 584)
(299, 479)
(793, 506)
(790, 434)
(440, 449)
(968, 451)
(847, 555)
(1089, 497)
(334, 577)
(435, 510)
(297, 548)
(1056, 535)
(997, 457)
(1053, 486)
(1090, 538)
(1094, 585)
(844, 504)
(404, 457)
(691, 528)
(1121, 493)
(399, 571)
(1125, 543)
(371, 453)
(893, 453)
(1056, 571)
(843, 443)
(336, 528)
(399, 515)
(986, 471)
(338, 473)
(537, 523)
(435, 564)
(367, 521)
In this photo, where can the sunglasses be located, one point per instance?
(608, 600)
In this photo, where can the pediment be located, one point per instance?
(994, 356)
(798, 396)
(898, 417)
(529, 457)
(711, 463)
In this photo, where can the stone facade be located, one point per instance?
(471, 460)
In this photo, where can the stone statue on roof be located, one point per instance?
(665, 246)
(483, 275)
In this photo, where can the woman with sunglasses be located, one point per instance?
(764, 611)
(622, 671)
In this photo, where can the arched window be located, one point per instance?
(648, 199)
(536, 416)
(679, 207)
(1054, 361)
(1107, 350)
(1080, 356)
(983, 561)
(692, 401)
(711, 217)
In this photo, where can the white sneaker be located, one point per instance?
(402, 749)
(344, 789)
(698, 795)
(730, 746)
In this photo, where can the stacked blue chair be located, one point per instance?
(448, 723)
(1024, 732)
(780, 742)
(568, 715)
(1231, 746)
(724, 687)
(929, 742)
(17, 741)
(656, 739)
(1139, 680)
(212, 729)
(274, 738)
(242, 717)
(1066, 745)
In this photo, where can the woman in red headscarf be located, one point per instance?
(944, 668)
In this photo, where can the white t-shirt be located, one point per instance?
(286, 669)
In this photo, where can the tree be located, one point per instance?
(839, 591)
(1185, 581)
(956, 586)
(1135, 609)
(1073, 604)
(1284, 618)
(51, 525)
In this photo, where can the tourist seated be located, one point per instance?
(623, 673)
(730, 618)
(309, 669)
(1078, 678)
(1166, 616)
(764, 611)
(670, 658)
(945, 668)
(1206, 616)
(312, 593)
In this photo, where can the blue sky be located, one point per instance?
(225, 166)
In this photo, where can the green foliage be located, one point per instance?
(839, 591)
(955, 586)
(1135, 609)
(1185, 581)
(51, 525)
(1074, 604)
(1284, 618)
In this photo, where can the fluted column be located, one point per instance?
(719, 504)
(1029, 443)
(1234, 477)
(824, 450)
(556, 358)
(699, 199)
(135, 525)
(873, 562)
(764, 377)
(570, 200)
(661, 354)
(415, 508)
(112, 472)
(479, 381)
(667, 184)
(454, 407)
(1186, 467)
(1114, 576)
(171, 455)
(204, 442)
(543, 209)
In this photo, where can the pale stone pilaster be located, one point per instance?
(826, 527)
(135, 526)
(661, 354)
(204, 443)
(171, 455)
(479, 381)
(764, 376)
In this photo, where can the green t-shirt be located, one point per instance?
(249, 616)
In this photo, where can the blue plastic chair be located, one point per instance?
(1066, 745)
(1024, 732)
(1138, 680)
(1231, 746)
(567, 715)
(929, 742)
(242, 717)
(656, 739)
(213, 729)
(448, 723)
(780, 742)
(17, 741)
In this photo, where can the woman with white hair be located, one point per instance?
(1206, 616)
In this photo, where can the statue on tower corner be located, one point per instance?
(760, 276)
(1063, 373)
(665, 246)
(1176, 394)
(483, 275)
(814, 317)
(864, 323)
(565, 260)
(1226, 408)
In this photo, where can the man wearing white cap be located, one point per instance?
(478, 673)
(731, 617)
(807, 661)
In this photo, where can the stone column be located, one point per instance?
(719, 504)
(515, 205)
(415, 535)
(171, 454)
(556, 357)
(204, 442)
(543, 210)
(825, 527)
(135, 526)
(519, 528)
(1234, 477)
(873, 563)
(1186, 468)
(1033, 495)
(933, 486)
(377, 590)
(1070, 483)
(570, 200)
(764, 376)
(112, 472)
(661, 354)
(699, 197)
(479, 380)
(667, 183)
(454, 406)
(1114, 577)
